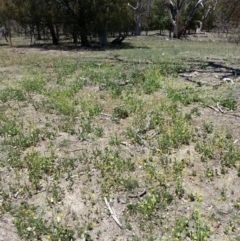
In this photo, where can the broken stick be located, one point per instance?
(112, 212)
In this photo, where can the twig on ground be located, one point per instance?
(107, 115)
(124, 143)
(213, 108)
(155, 134)
(138, 194)
(112, 212)
(74, 150)
(219, 108)
(223, 112)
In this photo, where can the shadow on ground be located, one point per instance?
(77, 47)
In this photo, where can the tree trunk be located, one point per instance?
(75, 39)
(57, 31)
(199, 29)
(103, 38)
(175, 31)
(8, 33)
(75, 36)
(178, 32)
(53, 34)
(38, 33)
(170, 34)
(84, 40)
(138, 26)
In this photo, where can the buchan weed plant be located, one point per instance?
(80, 126)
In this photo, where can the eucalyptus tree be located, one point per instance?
(159, 18)
(111, 15)
(228, 12)
(35, 13)
(79, 16)
(120, 18)
(176, 8)
(29, 14)
(140, 8)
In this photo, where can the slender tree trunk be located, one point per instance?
(74, 35)
(9, 33)
(170, 34)
(84, 40)
(138, 26)
(53, 34)
(57, 31)
(38, 32)
(175, 31)
(32, 36)
(103, 38)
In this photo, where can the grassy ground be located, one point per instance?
(151, 125)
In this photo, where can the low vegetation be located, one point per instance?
(152, 126)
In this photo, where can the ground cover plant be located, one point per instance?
(150, 127)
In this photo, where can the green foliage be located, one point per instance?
(90, 105)
(120, 112)
(230, 157)
(114, 140)
(186, 96)
(34, 83)
(229, 103)
(5, 203)
(175, 133)
(112, 168)
(38, 167)
(205, 149)
(208, 127)
(62, 101)
(151, 81)
(10, 93)
(30, 225)
(10, 128)
(193, 227)
(130, 183)
(24, 141)
(151, 203)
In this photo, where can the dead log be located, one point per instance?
(119, 39)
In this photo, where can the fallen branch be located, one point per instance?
(213, 108)
(228, 80)
(107, 115)
(222, 112)
(119, 39)
(220, 109)
(141, 194)
(112, 212)
(79, 149)
(155, 134)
